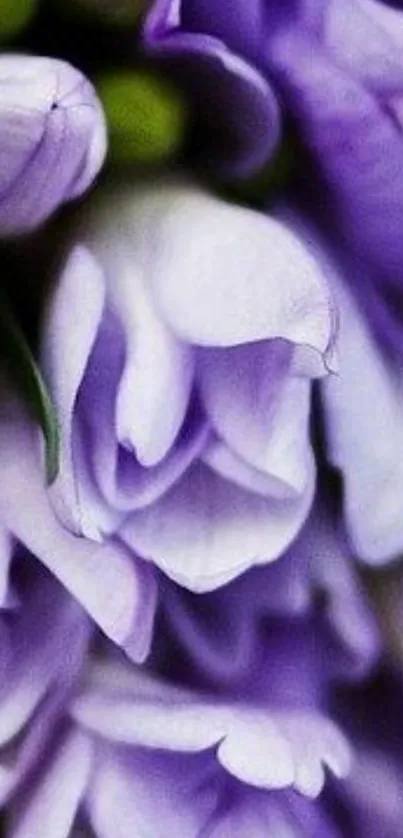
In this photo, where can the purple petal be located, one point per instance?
(50, 656)
(223, 460)
(224, 275)
(218, 81)
(260, 410)
(190, 796)
(364, 410)
(86, 366)
(356, 140)
(51, 805)
(155, 364)
(226, 647)
(21, 755)
(348, 612)
(376, 777)
(68, 335)
(6, 553)
(205, 531)
(260, 747)
(368, 35)
(123, 483)
(140, 792)
(123, 599)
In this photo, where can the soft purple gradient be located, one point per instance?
(226, 730)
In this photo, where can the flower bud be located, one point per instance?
(14, 16)
(146, 116)
(52, 139)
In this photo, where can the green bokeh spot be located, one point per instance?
(115, 12)
(146, 117)
(14, 16)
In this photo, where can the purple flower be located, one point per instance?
(170, 750)
(179, 347)
(185, 645)
(52, 139)
(338, 67)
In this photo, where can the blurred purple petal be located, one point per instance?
(364, 420)
(267, 750)
(50, 808)
(236, 110)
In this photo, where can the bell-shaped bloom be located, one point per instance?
(52, 139)
(161, 749)
(179, 348)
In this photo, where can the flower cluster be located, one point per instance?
(201, 418)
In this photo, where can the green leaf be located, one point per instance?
(16, 353)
